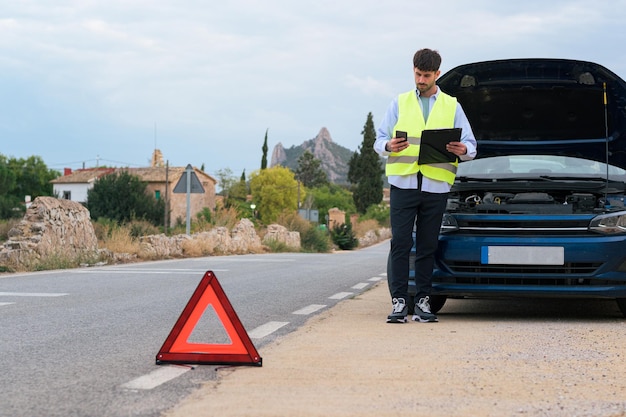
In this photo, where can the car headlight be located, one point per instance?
(609, 224)
(449, 224)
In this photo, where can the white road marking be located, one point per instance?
(340, 295)
(5, 304)
(375, 279)
(156, 378)
(360, 285)
(32, 294)
(142, 271)
(310, 309)
(266, 329)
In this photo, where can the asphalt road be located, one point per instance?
(83, 342)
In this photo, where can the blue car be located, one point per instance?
(541, 210)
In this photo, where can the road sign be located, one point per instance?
(189, 183)
(195, 186)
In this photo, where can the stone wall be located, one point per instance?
(51, 227)
(278, 233)
(374, 236)
(241, 239)
(55, 227)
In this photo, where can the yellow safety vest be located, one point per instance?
(411, 120)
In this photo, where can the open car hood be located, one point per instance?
(543, 106)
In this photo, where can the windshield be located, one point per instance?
(535, 166)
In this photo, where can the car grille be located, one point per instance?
(578, 268)
(570, 274)
(522, 225)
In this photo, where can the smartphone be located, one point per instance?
(401, 134)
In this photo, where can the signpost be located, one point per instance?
(189, 183)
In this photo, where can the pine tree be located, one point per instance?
(310, 171)
(264, 158)
(239, 190)
(365, 171)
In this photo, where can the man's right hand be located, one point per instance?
(397, 145)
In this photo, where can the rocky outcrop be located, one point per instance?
(244, 238)
(278, 233)
(334, 158)
(51, 227)
(279, 156)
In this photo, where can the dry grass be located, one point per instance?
(124, 238)
(120, 240)
(226, 217)
(361, 228)
(293, 222)
(198, 247)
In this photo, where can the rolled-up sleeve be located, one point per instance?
(467, 135)
(385, 128)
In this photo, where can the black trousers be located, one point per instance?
(424, 210)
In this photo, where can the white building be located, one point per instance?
(74, 185)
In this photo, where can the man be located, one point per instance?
(419, 192)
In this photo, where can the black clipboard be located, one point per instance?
(433, 145)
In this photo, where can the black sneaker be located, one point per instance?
(422, 312)
(399, 312)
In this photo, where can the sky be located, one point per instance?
(86, 83)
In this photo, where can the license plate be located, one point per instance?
(522, 255)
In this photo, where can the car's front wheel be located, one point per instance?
(621, 303)
(437, 302)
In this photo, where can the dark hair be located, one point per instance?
(427, 60)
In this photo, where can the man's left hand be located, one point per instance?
(456, 148)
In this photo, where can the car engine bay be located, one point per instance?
(535, 202)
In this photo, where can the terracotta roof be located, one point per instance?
(152, 174)
(82, 176)
(157, 174)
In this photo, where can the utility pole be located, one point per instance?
(167, 200)
(298, 194)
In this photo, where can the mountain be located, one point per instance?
(334, 158)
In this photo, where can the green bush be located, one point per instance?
(204, 215)
(103, 227)
(315, 240)
(5, 227)
(122, 197)
(11, 207)
(278, 247)
(343, 236)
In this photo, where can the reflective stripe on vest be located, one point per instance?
(411, 120)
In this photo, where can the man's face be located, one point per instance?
(425, 81)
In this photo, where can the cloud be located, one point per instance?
(81, 78)
(369, 86)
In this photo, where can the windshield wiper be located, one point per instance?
(465, 178)
(570, 178)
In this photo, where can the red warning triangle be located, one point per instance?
(177, 347)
